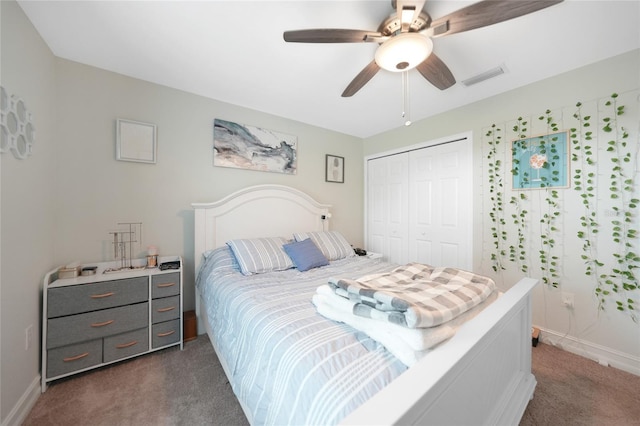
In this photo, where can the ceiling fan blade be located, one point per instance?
(487, 12)
(361, 79)
(330, 35)
(438, 74)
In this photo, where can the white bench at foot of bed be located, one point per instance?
(482, 376)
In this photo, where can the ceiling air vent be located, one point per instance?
(494, 72)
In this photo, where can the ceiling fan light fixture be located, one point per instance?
(406, 16)
(403, 52)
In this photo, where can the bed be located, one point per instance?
(481, 375)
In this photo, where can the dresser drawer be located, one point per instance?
(165, 333)
(165, 309)
(92, 321)
(75, 299)
(164, 285)
(93, 325)
(74, 357)
(126, 344)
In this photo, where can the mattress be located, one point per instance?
(286, 363)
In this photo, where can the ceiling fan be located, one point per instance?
(405, 36)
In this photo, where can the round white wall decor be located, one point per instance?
(17, 132)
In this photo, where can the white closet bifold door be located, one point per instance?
(419, 205)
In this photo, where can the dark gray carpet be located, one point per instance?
(168, 387)
(171, 387)
(573, 390)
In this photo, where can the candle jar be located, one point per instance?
(152, 261)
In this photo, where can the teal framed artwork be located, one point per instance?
(540, 161)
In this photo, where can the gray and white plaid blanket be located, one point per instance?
(415, 295)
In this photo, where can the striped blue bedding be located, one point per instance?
(288, 365)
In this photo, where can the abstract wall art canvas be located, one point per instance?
(253, 148)
(540, 162)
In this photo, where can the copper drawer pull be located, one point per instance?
(101, 324)
(170, 308)
(168, 333)
(75, 358)
(166, 285)
(100, 296)
(126, 345)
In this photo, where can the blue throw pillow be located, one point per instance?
(305, 255)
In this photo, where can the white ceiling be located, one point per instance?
(233, 51)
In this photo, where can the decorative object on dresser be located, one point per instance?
(124, 238)
(152, 257)
(95, 320)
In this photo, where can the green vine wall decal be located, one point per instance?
(622, 280)
(518, 252)
(531, 155)
(617, 285)
(549, 260)
(584, 182)
(496, 192)
(537, 218)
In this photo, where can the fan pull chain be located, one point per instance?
(405, 98)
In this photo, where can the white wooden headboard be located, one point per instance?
(256, 211)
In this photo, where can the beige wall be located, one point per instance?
(59, 205)
(95, 191)
(27, 218)
(610, 335)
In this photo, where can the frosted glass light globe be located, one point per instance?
(403, 52)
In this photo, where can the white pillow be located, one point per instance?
(259, 255)
(331, 243)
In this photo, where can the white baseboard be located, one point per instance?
(601, 354)
(24, 405)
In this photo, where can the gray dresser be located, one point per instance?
(91, 321)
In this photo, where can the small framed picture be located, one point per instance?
(135, 141)
(334, 169)
(540, 162)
